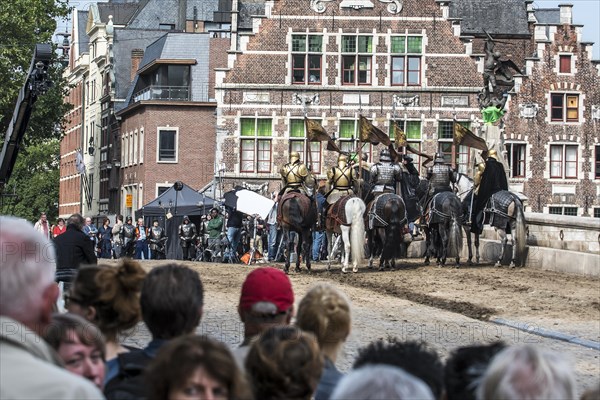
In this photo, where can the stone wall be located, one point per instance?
(564, 232)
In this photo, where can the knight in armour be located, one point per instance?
(128, 238)
(157, 239)
(409, 184)
(341, 179)
(187, 236)
(384, 175)
(440, 175)
(296, 176)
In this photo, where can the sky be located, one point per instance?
(585, 12)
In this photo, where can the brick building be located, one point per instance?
(419, 63)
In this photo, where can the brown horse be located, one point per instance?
(297, 213)
(386, 218)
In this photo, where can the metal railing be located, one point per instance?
(174, 93)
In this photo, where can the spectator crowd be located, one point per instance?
(287, 353)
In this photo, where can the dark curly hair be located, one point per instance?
(284, 363)
(178, 359)
(114, 292)
(416, 358)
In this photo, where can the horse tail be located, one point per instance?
(520, 234)
(455, 241)
(357, 230)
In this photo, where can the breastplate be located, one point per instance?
(440, 176)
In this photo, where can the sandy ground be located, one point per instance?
(446, 307)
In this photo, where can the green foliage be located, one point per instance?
(35, 181)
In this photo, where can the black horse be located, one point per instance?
(443, 228)
(385, 221)
(297, 213)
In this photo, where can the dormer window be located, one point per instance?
(564, 66)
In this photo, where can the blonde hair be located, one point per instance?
(325, 312)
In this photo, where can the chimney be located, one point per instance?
(136, 59)
(566, 14)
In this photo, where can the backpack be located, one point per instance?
(129, 382)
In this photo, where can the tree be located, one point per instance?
(23, 23)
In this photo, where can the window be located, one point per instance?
(130, 147)
(597, 162)
(516, 159)
(412, 129)
(596, 212)
(564, 107)
(356, 60)
(166, 27)
(167, 145)
(564, 64)
(460, 155)
(142, 145)
(347, 138)
(563, 161)
(559, 210)
(135, 147)
(298, 143)
(160, 189)
(255, 154)
(406, 60)
(306, 59)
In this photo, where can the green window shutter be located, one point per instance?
(413, 129)
(365, 44)
(296, 128)
(349, 44)
(315, 43)
(414, 44)
(346, 129)
(298, 43)
(398, 44)
(263, 127)
(247, 126)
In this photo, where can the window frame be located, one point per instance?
(298, 143)
(564, 63)
(357, 56)
(307, 55)
(597, 161)
(446, 138)
(521, 163)
(258, 141)
(562, 162)
(564, 107)
(176, 144)
(406, 56)
(552, 210)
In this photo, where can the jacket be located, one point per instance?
(74, 248)
(30, 369)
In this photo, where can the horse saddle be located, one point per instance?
(336, 215)
(304, 201)
(375, 210)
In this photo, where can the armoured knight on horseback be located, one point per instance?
(296, 176)
(440, 176)
(341, 179)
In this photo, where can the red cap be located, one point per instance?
(267, 284)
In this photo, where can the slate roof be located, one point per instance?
(505, 17)
(152, 12)
(549, 16)
(121, 12)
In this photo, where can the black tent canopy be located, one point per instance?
(178, 203)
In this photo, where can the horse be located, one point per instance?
(385, 220)
(443, 228)
(297, 213)
(503, 211)
(345, 218)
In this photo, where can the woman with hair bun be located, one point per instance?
(325, 312)
(110, 298)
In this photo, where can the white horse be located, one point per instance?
(505, 212)
(347, 224)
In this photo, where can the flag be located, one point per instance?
(427, 157)
(315, 131)
(464, 137)
(399, 135)
(369, 133)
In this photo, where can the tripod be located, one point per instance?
(253, 248)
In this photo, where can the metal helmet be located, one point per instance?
(342, 160)
(439, 159)
(494, 154)
(384, 156)
(294, 156)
